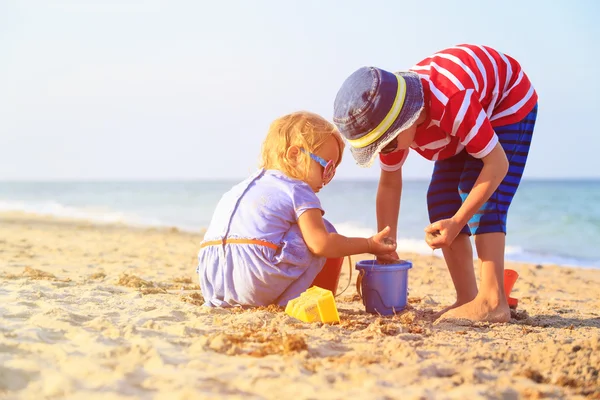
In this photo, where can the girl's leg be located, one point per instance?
(329, 277)
(443, 200)
(489, 224)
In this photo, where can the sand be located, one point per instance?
(92, 311)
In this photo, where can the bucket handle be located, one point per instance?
(349, 279)
(359, 279)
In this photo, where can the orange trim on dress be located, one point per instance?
(238, 241)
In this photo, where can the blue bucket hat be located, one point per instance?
(373, 106)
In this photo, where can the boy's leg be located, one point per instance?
(490, 250)
(459, 259)
(443, 200)
(489, 224)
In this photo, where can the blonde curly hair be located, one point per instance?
(302, 129)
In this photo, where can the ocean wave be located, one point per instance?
(405, 244)
(93, 214)
(512, 253)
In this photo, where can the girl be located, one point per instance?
(267, 239)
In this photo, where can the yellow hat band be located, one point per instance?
(389, 119)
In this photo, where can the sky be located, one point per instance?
(157, 90)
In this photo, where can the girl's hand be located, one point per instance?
(442, 233)
(380, 244)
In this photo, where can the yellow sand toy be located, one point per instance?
(314, 305)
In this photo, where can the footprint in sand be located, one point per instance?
(67, 316)
(58, 318)
(22, 315)
(28, 304)
(11, 348)
(160, 315)
(437, 371)
(50, 336)
(14, 379)
(450, 322)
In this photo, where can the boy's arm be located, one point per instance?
(389, 193)
(495, 167)
(333, 245)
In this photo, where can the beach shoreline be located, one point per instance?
(92, 310)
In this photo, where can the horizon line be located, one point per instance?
(232, 179)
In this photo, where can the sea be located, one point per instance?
(549, 222)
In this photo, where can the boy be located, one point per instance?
(471, 110)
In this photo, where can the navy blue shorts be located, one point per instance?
(454, 178)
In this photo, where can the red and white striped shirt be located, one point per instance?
(468, 90)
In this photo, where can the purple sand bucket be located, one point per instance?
(383, 287)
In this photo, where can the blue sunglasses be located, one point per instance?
(328, 166)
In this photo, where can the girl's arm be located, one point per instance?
(495, 167)
(333, 245)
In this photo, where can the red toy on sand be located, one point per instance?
(510, 277)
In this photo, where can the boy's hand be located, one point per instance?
(390, 258)
(442, 233)
(380, 244)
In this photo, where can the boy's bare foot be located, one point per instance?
(459, 302)
(480, 309)
(446, 309)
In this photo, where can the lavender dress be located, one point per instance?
(265, 207)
